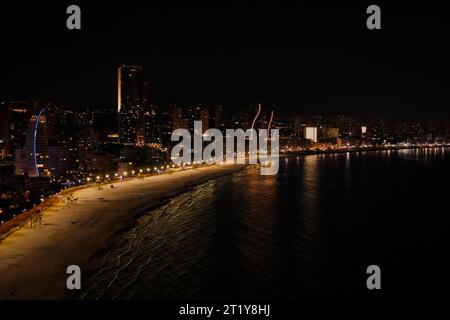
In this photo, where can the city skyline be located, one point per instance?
(199, 155)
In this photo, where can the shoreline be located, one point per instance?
(9, 227)
(97, 264)
(368, 149)
(33, 261)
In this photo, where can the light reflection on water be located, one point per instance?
(308, 231)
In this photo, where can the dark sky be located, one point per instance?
(305, 59)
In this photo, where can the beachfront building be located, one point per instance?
(136, 116)
(36, 146)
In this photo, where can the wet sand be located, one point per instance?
(33, 261)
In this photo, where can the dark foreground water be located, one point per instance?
(310, 231)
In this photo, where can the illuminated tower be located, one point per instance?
(311, 134)
(132, 105)
(36, 147)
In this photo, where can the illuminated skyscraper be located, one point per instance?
(152, 128)
(133, 106)
(311, 133)
(36, 147)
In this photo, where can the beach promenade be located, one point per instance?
(33, 260)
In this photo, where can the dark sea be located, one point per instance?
(310, 231)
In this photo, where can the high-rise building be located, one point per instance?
(13, 131)
(176, 117)
(311, 133)
(133, 106)
(152, 127)
(165, 123)
(57, 160)
(36, 147)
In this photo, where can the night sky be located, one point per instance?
(304, 59)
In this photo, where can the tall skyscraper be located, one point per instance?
(15, 117)
(36, 147)
(133, 106)
(152, 127)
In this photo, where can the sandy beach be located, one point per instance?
(33, 261)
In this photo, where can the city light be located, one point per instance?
(91, 123)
